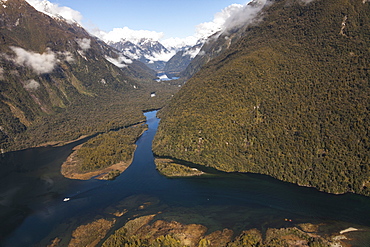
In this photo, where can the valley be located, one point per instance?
(255, 135)
(141, 207)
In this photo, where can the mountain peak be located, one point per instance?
(55, 11)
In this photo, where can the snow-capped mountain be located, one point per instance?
(57, 12)
(148, 51)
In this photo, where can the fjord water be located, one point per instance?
(219, 200)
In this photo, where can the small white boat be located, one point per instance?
(66, 199)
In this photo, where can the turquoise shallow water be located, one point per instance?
(235, 201)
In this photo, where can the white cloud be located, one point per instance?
(232, 16)
(84, 43)
(178, 43)
(120, 62)
(206, 29)
(244, 15)
(31, 84)
(40, 63)
(165, 56)
(55, 11)
(192, 52)
(125, 33)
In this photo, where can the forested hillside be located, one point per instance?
(289, 99)
(57, 82)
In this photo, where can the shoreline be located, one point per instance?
(68, 168)
(172, 169)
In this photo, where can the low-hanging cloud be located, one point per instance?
(39, 63)
(244, 15)
(230, 17)
(56, 11)
(84, 43)
(164, 56)
(206, 29)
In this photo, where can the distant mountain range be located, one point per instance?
(171, 61)
(150, 52)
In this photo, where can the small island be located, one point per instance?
(170, 168)
(105, 156)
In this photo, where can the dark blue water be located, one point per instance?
(236, 201)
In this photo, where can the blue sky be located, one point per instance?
(175, 18)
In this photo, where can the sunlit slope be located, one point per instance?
(58, 82)
(289, 99)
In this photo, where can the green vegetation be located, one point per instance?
(138, 232)
(170, 169)
(121, 239)
(290, 99)
(108, 149)
(87, 115)
(82, 94)
(252, 238)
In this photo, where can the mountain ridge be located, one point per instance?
(289, 99)
(46, 76)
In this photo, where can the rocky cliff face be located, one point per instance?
(288, 97)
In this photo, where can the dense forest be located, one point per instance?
(289, 99)
(58, 83)
(108, 149)
(140, 232)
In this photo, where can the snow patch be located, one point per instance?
(3, 3)
(120, 62)
(82, 54)
(55, 11)
(31, 84)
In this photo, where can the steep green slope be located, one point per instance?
(57, 82)
(290, 99)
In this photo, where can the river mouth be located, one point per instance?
(234, 201)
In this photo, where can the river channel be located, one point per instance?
(32, 192)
